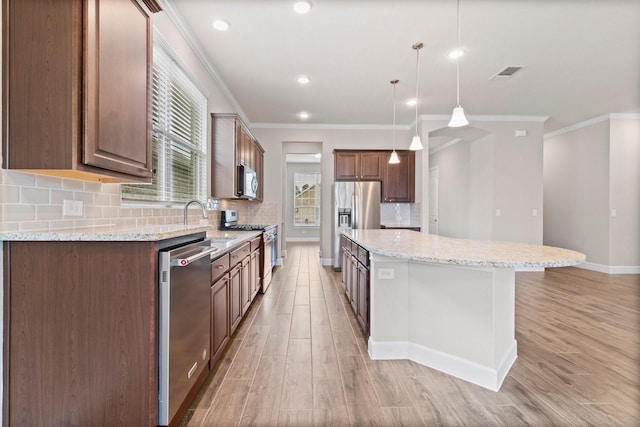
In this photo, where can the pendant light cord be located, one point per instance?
(458, 57)
(417, 82)
(394, 82)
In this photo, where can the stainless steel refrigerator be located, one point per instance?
(355, 205)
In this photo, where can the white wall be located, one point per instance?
(624, 161)
(496, 171)
(590, 170)
(454, 189)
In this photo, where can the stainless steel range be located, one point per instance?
(229, 221)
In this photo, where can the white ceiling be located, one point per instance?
(581, 58)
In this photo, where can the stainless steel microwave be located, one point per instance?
(248, 182)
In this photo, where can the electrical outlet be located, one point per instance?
(386, 273)
(72, 208)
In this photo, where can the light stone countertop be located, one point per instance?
(108, 233)
(428, 248)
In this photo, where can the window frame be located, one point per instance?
(179, 137)
(305, 178)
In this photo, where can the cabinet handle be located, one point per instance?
(219, 267)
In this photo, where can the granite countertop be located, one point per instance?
(107, 233)
(225, 240)
(423, 247)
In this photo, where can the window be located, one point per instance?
(179, 133)
(306, 199)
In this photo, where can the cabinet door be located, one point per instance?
(353, 297)
(399, 180)
(117, 105)
(260, 172)
(235, 297)
(254, 276)
(363, 298)
(346, 271)
(245, 284)
(372, 166)
(346, 165)
(220, 327)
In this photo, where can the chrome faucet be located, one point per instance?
(186, 208)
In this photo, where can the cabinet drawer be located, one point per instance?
(255, 243)
(354, 248)
(239, 254)
(363, 256)
(219, 266)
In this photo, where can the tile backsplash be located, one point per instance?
(32, 202)
(400, 214)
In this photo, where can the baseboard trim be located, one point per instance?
(611, 269)
(326, 261)
(458, 367)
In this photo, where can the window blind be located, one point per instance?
(178, 138)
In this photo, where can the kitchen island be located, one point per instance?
(448, 303)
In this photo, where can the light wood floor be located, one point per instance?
(300, 359)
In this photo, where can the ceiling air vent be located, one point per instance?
(506, 73)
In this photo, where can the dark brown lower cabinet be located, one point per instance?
(363, 297)
(353, 297)
(356, 281)
(220, 316)
(235, 297)
(245, 275)
(80, 333)
(254, 273)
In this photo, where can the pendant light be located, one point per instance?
(394, 156)
(416, 143)
(458, 118)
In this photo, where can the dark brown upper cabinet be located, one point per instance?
(76, 88)
(399, 180)
(352, 165)
(233, 145)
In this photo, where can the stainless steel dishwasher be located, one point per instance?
(185, 281)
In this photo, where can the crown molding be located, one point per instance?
(326, 126)
(593, 121)
(487, 118)
(178, 21)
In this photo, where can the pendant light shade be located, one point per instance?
(393, 159)
(416, 143)
(458, 119)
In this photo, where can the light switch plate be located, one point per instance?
(386, 273)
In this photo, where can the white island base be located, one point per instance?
(453, 318)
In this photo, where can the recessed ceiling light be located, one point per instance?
(303, 115)
(303, 80)
(221, 25)
(456, 53)
(411, 102)
(302, 7)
